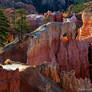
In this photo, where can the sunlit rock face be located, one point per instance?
(49, 46)
(13, 65)
(86, 30)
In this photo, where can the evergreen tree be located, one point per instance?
(21, 24)
(4, 28)
(79, 7)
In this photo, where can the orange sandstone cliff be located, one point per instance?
(86, 30)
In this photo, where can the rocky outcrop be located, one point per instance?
(49, 46)
(53, 16)
(15, 51)
(39, 79)
(50, 70)
(86, 30)
(31, 80)
(35, 20)
(35, 82)
(71, 84)
(9, 80)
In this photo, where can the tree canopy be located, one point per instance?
(4, 28)
(21, 24)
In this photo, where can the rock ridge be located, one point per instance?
(48, 45)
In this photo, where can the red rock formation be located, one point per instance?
(33, 81)
(15, 51)
(9, 81)
(54, 17)
(86, 30)
(49, 46)
(49, 70)
(29, 79)
(71, 84)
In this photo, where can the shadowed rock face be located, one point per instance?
(86, 30)
(39, 79)
(9, 81)
(30, 79)
(49, 46)
(15, 51)
(49, 70)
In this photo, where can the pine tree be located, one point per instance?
(4, 28)
(21, 24)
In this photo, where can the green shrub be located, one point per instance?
(79, 7)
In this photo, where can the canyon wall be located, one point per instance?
(70, 83)
(49, 46)
(86, 30)
(17, 77)
(9, 80)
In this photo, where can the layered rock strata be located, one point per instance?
(86, 30)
